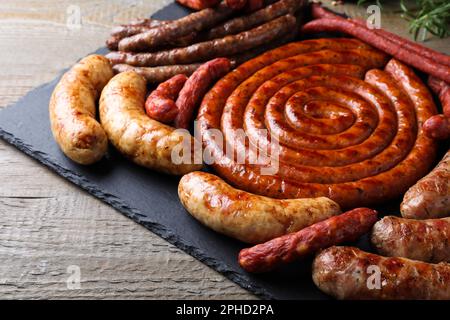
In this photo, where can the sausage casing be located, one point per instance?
(346, 227)
(72, 110)
(424, 240)
(349, 273)
(244, 216)
(430, 197)
(145, 141)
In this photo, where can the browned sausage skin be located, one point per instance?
(73, 107)
(349, 273)
(245, 216)
(160, 104)
(359, 165)
(346, 227)
(206, 50)
(196, 21)
(424, 240)
(195, 88)
(430, 196)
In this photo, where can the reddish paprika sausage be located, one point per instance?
(424, 240)
(350, 273)
(346, 227)
(196, 87)
(160, 104)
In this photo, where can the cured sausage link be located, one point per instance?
(255, 19)
(319, 12)
(346, 227)
(160, 104)
(248, 217)
(412, 58)
(194, 22)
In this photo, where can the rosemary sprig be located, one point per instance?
(426, 15)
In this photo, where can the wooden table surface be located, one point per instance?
(51, 232)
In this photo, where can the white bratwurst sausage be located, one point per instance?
(72, 110)
(245, 216)
(145, 141)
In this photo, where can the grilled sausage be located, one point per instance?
(430, 197)
(244, 216)
(346, 227)
(72, 110)
(437, 127)
(349, 273)
(160, 104)
(159, 74)
(146, 142)
(410, 57)
(210, 49)
(424, 240)
(195, 88)
(359, 165)
(195, 22)
(240, 24)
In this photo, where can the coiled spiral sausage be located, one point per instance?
(346, 131)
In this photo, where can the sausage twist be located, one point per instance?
(355, 139)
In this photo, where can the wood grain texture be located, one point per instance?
(46, 223)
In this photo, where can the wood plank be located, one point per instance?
(46, 223)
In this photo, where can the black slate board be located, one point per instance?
(147, 197)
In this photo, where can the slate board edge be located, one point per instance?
(119, 205)
(133, 214)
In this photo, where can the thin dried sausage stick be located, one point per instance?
(430, 197)
(442, 89)
(144, 141)
(194, 22)
(163, 73)
(346, 26)
(424, 240)
(160, 104)
(320, 12)
(255, 19)
(196, 87)
(346, 227)
(159, 74)
(247, 217)
(73, 107)
(238, 101)
(210, 49)
(437, 127)
(350, 273)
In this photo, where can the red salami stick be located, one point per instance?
(196, 87)
(160, 104)
(346, 26)
(346, 227)
(319, 12)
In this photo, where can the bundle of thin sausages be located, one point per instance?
(434, 63)
(159, 50)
